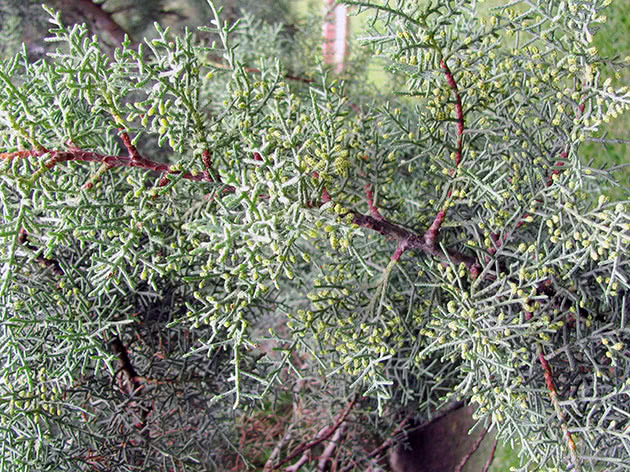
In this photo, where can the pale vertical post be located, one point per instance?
(335, 34)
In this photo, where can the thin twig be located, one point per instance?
(134, 159)
(431, 235)
(276, 450)
(379, 451)
(459, 110)
(467, 457)
(330, 448)
(136, 384)
(370, 198)
(53, 264)
(309, 445)
(491, 458)
(553, 394)
(306, 456)
(390, 441)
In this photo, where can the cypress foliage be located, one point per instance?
(200, 238)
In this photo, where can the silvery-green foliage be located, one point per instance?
(304, 202)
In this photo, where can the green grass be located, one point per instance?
(614, 39)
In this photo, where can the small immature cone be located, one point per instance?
(335, 35)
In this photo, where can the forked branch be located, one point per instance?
(326, 435)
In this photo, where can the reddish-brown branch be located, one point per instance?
(133, 160)
(57, 157)
(370, 198)
(401, 247)
(326, 456)
(125, 363)
(553, 394)
(432, 234)
(102, 19)
(406, 239)
(409, 240)
(491, 458)
(207, 161)
(210, 173)
(564, 155)
(325, 195)
(135, 383)
(133, 151)
(379, 451)
(474, 448)
(311, 444)
(459, 110)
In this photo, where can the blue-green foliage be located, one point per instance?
(173, 202)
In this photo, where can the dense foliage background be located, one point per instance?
(215, 248)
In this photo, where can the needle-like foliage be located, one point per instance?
(189, 229)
